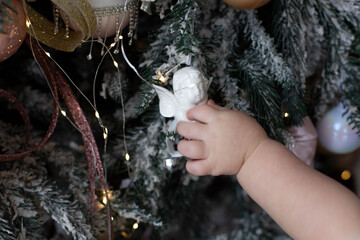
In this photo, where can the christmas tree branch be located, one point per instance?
(30, 193)
(175, 43)
(222, 34)
(289, 31)
(338, 43)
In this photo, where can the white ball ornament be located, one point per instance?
(335, 134)
(108, 16)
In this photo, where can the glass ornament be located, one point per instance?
(335, 134)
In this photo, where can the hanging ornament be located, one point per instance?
(146, 6)
(112, 16)
(190, 88)
(13, 31)
(305, 141)
(335, 134)
(246, 4)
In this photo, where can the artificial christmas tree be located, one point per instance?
(96, 163)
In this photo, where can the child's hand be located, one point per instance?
(220, 141)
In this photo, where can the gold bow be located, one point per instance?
(79, 11)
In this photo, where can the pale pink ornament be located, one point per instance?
(14, 32)
(305, 141)
(335, 133)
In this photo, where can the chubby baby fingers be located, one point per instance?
(191, 130)
(193, 149)
(202, 113)
(199, 167)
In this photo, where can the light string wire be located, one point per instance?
(93, 105)
(105, 130)
(63, 112)
(118, 33)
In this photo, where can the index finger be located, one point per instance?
(201, 113)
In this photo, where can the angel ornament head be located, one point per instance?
(189, 89)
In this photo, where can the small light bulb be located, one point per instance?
(106, 130)
(192, 85)
(104, 200)
(97, 115)
(105, 135)
(127, 157)
(346, 175)
(168, 162)
(47, 54)
(28, 23)
(112, 218)
(286, 114)
(121, 37)
(113, 44)
(135, 226)
(161, 77)
(63, 113)
(116, 64)
(124, 234)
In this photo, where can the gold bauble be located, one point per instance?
(246, 4)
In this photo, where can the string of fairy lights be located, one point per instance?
(118, 40)
(105, 131)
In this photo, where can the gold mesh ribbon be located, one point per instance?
(79, 11)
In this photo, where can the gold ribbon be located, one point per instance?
(79, 11)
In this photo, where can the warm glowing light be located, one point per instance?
(104, 200)
(112, 218)
(97, 115)
(28, 23)
(127, 157)
(121, 37)
(105, 135)
(135, 226)
(63, 113)
(124, 234)
(161, 77)
(47, 54)
(106, 130)
(346, 175)
(116, 64)
(113, 44)
(286, 114)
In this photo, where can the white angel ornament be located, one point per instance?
(190, 89)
